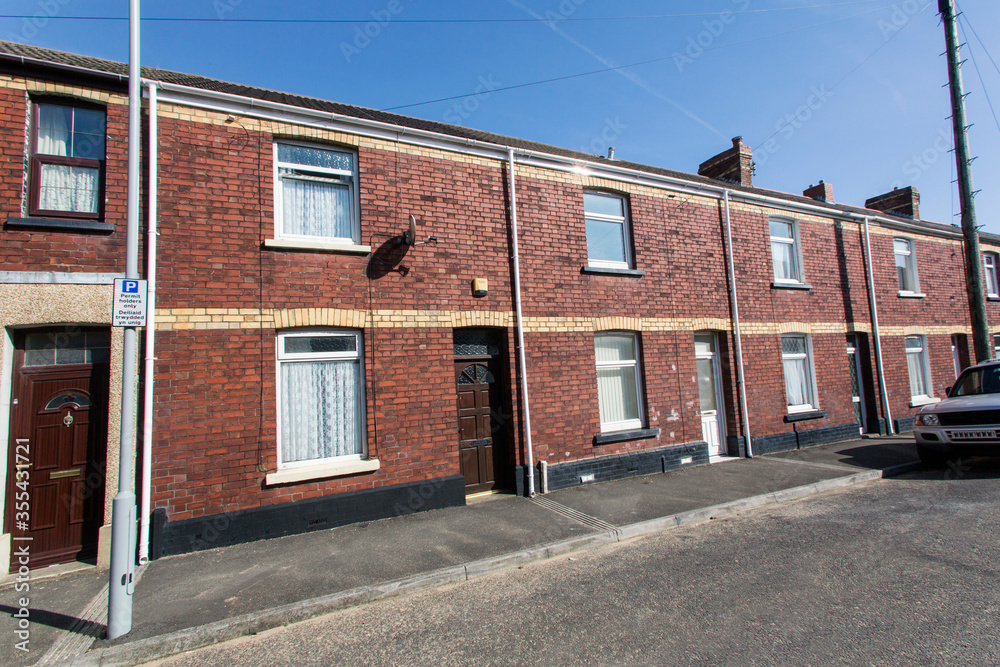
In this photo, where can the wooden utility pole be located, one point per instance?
(973, 256)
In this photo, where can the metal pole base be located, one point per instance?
(122, 565)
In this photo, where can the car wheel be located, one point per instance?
(932, 457)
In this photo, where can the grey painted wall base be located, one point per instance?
(218, 530)
(617, 466)
(797, 439)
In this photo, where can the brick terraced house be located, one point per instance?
(360, 314)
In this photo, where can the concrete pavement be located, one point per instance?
(184, 602)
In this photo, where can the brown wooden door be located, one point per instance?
(59, 438)
(476, 383)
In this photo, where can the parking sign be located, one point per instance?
(129, 303)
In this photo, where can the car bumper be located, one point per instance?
(984, 439)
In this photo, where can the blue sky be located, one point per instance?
(845, 91)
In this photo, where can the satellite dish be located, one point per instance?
(412, 232)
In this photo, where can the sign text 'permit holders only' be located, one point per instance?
(130, 303)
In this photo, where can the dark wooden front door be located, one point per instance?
(478, 408)
(59, 439)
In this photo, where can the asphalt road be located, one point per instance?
(903, 571)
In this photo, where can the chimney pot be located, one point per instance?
(821, 192)
(734, 165)
(904, 202)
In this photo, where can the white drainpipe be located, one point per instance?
(878, 341)
(736, 331)
(520, 328)
(147, 404)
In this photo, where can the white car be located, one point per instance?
(967, 422)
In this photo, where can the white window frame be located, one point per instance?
(628, 424)
(796, 246)
(924, 367)
(334, 464)
(990, 274)
(996, 346)
(624, 221)
(910, 269)
(318, 173)
(810, 381)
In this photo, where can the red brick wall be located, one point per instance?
(63, 251)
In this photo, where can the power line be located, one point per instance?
(980, 75)
(981, 43)
(620, 67)
(844, 78)
(439, 21)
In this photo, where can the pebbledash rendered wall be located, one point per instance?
(226, 290)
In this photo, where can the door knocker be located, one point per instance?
(68, 419)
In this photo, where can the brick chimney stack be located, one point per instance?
(734, 165)
(903, 202)
(821, 192)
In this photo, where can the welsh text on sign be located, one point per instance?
(129, 308)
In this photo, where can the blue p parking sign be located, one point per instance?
(129, 308)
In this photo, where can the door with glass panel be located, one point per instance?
(857, 396)
(713, 419)
(58, 445)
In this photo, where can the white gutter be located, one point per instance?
(740, 378)
(887, 411)
(229, 103)
(520, 329)
(147, 402)
(240, 104)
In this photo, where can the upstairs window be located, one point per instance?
(67, 161)
(608, 234)
(906, 266)
(785, 253)
(990, 274)
(316, 194)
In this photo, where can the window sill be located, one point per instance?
(317, 246)
(308, 473)
(602, 271)
(622, 436)
(795, 285)
(992, 297)
(60, 224)
(803, 416)
(917, 401)
(911, 295)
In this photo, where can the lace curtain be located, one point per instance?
(320, 410)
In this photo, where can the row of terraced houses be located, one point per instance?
(548, 317)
